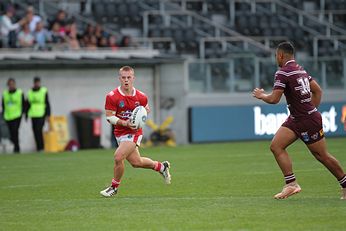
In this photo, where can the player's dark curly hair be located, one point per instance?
(286, 47)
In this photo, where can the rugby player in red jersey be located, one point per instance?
(303, 96)
(119, 106)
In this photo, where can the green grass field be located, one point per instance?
(227, 186)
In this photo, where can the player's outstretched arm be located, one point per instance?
(271, 98)
(316, 93)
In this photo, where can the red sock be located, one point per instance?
(158, 167)
(115, 183)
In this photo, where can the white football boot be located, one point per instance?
(288, 190)
(165, 173)
(109, 191)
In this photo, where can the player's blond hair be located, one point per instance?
(127, 68)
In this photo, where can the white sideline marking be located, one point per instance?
(22, 186)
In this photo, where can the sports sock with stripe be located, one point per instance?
(159, 167)
(115, 183)
(342, 182)
(290, 178)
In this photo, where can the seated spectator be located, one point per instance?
(9, 29)
(99, 33)
(89, 30)
(42, 36)
(25, 38)
(92, 44)
(126, 41)
(103, 42)
(60, 19)
(112, 42)
(72, 40)
(57, 36)
(84, 40)
(32, 18)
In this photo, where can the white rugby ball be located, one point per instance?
(139, 116)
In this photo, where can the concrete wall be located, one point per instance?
(70, 89)
(172, 85)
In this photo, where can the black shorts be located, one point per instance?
(308, 129)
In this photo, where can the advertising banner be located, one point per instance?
(255, 122)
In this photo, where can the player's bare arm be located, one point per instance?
(111, 118)
(271, 98)
(316, 93)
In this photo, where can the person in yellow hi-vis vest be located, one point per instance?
(12, 110)
(38, 110)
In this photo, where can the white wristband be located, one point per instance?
(112, 119)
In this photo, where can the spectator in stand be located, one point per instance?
(32, 18)
(99, 33)
(112, 42)
(89, 30)
(57, 35)
(9, 29)
(92, 45)
(126, 41)
(61, 20)
(103, 42)
(73, 42)
(25, 38)
(84, 41)
(42, 36)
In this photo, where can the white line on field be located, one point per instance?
(22, 186)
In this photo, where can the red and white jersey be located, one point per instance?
(123, 105)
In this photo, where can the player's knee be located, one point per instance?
(118, 158)
(274, 148)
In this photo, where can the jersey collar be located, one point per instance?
(290, 61)
(122, 93)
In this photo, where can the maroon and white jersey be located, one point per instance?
(123, 105)
(295, 82)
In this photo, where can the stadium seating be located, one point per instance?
(199, 19)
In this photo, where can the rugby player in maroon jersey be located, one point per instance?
(303, 96)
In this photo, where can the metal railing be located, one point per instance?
(302, 16)
(241, 73)
(151, 42)
(333, 33)
(334, 39)
(191, 16)
(327, 14)
(267, 41)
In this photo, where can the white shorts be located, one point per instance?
(130, 137)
